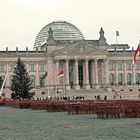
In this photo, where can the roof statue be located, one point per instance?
(102, 39)
(50, 40)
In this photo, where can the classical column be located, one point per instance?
(125, 75)
(7, 83)
(56, 77)
(133, 74)
(86, 74)
(106, 72)
(27, 66)
(96, 72)
(6, 75)
(76, 75)
(46, 67)
(116, 72)
(92, 74)
(67, 75)
(102, 69)
(56, 71)
(37, 75)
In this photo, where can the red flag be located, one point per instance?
(136, 52)
(60, 73)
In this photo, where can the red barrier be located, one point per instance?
(103, 109)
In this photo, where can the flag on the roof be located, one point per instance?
(136, 54)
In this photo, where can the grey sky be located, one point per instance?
(21, 20)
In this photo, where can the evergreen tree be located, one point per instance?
(21, 83)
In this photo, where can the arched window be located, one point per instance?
(10, 80)
(2, 67)
(129, 65)
(42, 67)
(129, 78)
(32, 77)
(138, 78)
(11, 67)
(120, 79)
(111, 66)
(120, 65)
(32, 67)
(137, 65)
(111, 79)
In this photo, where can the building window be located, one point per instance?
(120, 66)
(42, 67)
(137, 66)
(43, 93)
(129, 78)
(1, 67)
(32, 77)
(10, 79)
(111, 66)
(31, 67)
(120, 79)
(138, 78)
(42, 81)
(11, 67)
(80, 70)
(128, 66)
(32, 93)
(71, 71)
(111, 79)
(61, 65)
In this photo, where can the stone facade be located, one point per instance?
(87, 65)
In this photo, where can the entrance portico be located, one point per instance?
(83, 73)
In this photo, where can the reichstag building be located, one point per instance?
(88, 66)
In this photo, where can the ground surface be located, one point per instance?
(17, 124)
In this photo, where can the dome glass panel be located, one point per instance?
(62, 30)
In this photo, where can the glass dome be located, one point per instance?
(62, 30)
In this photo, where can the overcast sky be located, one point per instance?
(21, 20)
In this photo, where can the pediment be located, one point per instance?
(80, 47)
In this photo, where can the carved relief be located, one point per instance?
(81, 47)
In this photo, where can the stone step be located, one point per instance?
(88, 91)
(89, 94)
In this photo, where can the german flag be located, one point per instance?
(137, 53)
(60, 73)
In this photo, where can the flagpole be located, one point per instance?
(48, 90)
(63, 83)
(116, 39)
(56, 86)
(117, 34)
(64, 86)
(3, 84)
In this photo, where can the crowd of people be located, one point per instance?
(97, 97)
